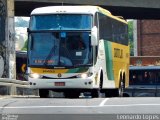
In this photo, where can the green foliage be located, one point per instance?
(25, 46)
(130, 37)
(131, 48)
(130, 30)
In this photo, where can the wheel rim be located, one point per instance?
(121, 89)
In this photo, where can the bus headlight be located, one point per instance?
(85, 75)
(34, 75)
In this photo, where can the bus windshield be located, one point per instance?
(56, 49)
(61, 22)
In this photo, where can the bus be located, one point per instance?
(21, 62)
(74, 49)
(144, 81)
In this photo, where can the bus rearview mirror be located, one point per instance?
(28, 30)
(94, 36)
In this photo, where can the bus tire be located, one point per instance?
(97, 92)
(120, 89)
(121, 86)
(43, 93)
(101, 82)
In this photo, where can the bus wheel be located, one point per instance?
(43, 93)
(97, 92)
(121, 89)
(101, 83)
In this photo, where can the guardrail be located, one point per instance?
(7, 80)
(15, 87)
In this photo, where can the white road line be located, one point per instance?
(101, 105)
(29, 107)
(103, 102)
(130, 105)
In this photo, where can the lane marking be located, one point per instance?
(130, 105)
(103, 102)
(102, 105)
(22, 107)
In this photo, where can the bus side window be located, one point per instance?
(149, 77)
(132, 79)
(158, 78)
(146, 77)
(152, 78)
(140, 79)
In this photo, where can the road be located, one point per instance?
(98, 107)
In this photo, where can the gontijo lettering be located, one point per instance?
(118, 53)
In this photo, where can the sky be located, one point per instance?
(25, 18)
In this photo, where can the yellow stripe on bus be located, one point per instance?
(48, 71)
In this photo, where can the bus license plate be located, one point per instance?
(59, 83)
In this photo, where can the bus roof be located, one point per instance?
(74, 9)
(21, 54)
(144, 68)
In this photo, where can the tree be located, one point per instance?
(25, 46)
(130, 37)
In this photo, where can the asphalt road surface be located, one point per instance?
(81, 109)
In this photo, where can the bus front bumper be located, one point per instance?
(81, 83)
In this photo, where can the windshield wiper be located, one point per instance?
(51, 53)
(83, 65)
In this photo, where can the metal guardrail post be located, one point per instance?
(12, 90)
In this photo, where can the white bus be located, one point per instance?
(74, 49)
